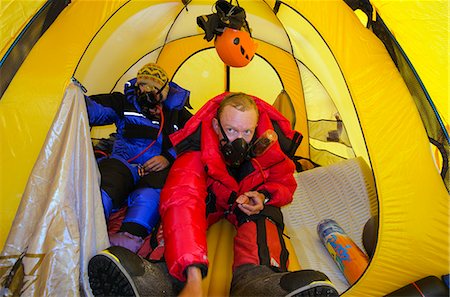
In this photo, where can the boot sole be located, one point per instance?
(317, 288)
(107, 277)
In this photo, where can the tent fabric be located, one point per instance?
(436, 128)
(427, 19)
(421, 28)
(15, 15)
(316, 51)
(16, 49)
(59, 224)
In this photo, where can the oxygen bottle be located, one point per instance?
(263, 143)
(350, 259)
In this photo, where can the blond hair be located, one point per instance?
(240, 101)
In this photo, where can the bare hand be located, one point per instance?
(251, 202)
(157, 163)
(193, 287)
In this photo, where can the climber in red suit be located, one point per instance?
(222, 174)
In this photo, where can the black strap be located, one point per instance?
(288, 146)
(140, 131)
(284, 256)
(276, 218)
(261, 239)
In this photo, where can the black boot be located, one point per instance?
(259, 280)
(117, 271)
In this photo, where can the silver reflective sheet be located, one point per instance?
(59, 224)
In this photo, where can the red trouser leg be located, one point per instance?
(260, 241)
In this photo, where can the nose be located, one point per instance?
(144, 88)
(240, 135)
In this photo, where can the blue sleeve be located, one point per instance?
(100, 115)
(172, 152)
(177, 97)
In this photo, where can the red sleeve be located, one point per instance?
(183, 217)
(280, 183)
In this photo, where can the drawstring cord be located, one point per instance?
(260, 169)
(153, 142)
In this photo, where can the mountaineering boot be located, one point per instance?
(126, 240)
(117, 271)
(260, 280)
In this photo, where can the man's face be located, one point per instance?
(147, 85)
(236, 124)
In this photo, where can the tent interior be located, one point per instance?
(319, 62)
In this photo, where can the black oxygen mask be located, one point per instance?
(149, 100)
(237, 151)
(234, 152)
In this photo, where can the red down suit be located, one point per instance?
(200, 175)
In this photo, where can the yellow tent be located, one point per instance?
(328, 62)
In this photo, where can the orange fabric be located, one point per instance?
(273, 242)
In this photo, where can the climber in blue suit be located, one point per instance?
(150, 109)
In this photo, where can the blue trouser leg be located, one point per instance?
(107, 204)
(117, 181)
(143, 208)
